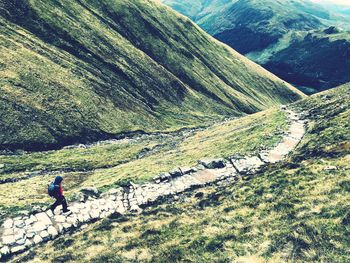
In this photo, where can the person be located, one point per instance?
(58, 195)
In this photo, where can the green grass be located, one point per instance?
(111, 165)
(78, 159)
(88, 70)
(297, 211)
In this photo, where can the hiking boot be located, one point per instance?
(66, 212)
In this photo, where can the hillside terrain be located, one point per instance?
(172, 146)
(296, 210)
(318, 67)
(113, 163)
(276, 34)
(80, 71)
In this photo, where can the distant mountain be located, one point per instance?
(269, 30)
(320, 59)
(331, 5)
(199, 8)
(76, 71)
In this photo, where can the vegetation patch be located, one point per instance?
(287, 213)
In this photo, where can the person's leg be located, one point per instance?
(57, 203)
(64, 205)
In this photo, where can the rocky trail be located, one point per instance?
(21, 233)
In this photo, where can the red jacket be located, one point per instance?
(61, 190)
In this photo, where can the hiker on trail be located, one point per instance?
(56, 191)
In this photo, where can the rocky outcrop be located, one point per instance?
(20, 233)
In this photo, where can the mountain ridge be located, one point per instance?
(88, 70)
(275, 35)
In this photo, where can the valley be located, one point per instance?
(300, 184)
(111, 165)
(169, 145)
(302, 42)
(39, 227)
(89, 74)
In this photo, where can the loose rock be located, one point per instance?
(212, 164)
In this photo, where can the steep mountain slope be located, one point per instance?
(85, 70)
(252, 25)
(324, 65)
(294, 211)
(260, 29)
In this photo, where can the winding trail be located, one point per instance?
(21, 233)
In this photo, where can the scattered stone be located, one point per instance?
(200, 167)
(17, 249)
(164, 177)
(135, 209)
(60, 218)
(38, 226)
(30, 235)
(29, 221)
(113, 191)
(8, 223)
(79, 197)
(9, 240)
(8, 232)
(188, 170)
(19, 223)
(212, 164)
(52, 231)
(37, 239)
(21, 241)
(247, 164)
(44, 235)
(5, 250)
(90, 192)
(73, 220)
(37, 209)
(175, 173)
(74, 209)
(49, 213)
(28, 243)
(94, 214)
(43, 218)
(66, 226)
(330, 168)
(84, 217)
(156, 180)
(20, 234)
(60, 228)
(33, 218)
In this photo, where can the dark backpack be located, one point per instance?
(51, 190)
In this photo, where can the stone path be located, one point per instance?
(21, 233)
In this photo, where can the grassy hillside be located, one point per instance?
(296, 211)
(86, 70)
(275, 34)
(107, 165)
